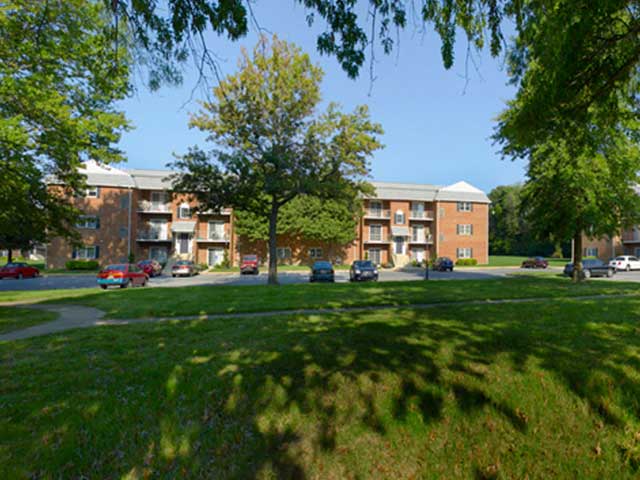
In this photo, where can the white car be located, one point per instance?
(625, 262)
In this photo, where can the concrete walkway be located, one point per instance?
(75, 316)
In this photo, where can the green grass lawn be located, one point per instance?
(544, 390)
(19, 318)
(514, 261)
(196, 300)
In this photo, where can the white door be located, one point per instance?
(216, 256)
(418, 233)
(374, 255)
(183, 243)
(399, 245)
(216, 230)
(418, 254)
(157, 201)
(158, 229)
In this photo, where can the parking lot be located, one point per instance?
(47, 282)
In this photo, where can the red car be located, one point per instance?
(122, 275)
(18, 270)
(249, 264)
(151, 267)
(535, 262)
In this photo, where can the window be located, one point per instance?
(284, 253)
(124, 202)
(399, 245)
(92, 192)
(375, 233)
(124, 231)
(591, 252)
(375, 208)
(315, 252)
(441, 212)
(184, 211)
(86, 253)
(417, 233)
(158, 253)
(464, 229)
(216, 230)
(465, 207)
(441, 237)
(417, 210)
(464, 252)
(88, 221)
(374, 255)
(398, 218)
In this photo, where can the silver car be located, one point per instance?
(184, 268)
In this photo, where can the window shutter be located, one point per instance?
(74, 253)
(97, 222)
(97, 250)
(471, 229)
(471, 253)
(470, 207)
(97, 192)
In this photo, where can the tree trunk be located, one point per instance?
(273, 245)
(578, 274)
(9, 256)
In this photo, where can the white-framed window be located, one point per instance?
(375, 207)
(375, 233)
(398, 217)
(184, 211)
(464, 229)
(417, 209)
(216, 230)
(86, 253)
(464, 252)
(465, 207)
(441, 212)
(417, 233)
(215, 256)
(315, 252)
(374, 255)
(88, 221)
(92, 192)
(591, 252)
(399, 245)
(284, 253)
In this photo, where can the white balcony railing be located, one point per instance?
(153, 236)
(153, 207)
(378, 239)
(422, 238)
(421, 215)
(214, 237)
(377, 213)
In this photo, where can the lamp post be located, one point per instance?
(426, 270)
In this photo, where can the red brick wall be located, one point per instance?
(446, 238)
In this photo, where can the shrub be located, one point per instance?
(466, 262)
(132, 258)
(82, 265)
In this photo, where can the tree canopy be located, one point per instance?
(271, 143)
(59, 80)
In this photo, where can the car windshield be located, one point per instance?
(592, 263)
(120, 268)
(322, 265)
(145, 262)
(12, 265)
(184, 262)
(620, 259)
(250, 258)
(444, 259)
(363, 264)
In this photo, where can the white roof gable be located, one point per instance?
(461, 187)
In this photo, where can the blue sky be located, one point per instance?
(437, 125)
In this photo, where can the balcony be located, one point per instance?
(378, 239)
(146, 206)
(153, 236)
(631, 236)
(422, 239)
(222, 211)
(377, 213)
(214, 237)
(418, 215)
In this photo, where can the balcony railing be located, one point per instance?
(378, 239)
(214, 237)
(222, 211)
(421, 215)
(153, 207)
(422, 239)
(153, 236)
(377, 213)
(631, 236)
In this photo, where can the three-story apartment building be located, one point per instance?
(132, 211)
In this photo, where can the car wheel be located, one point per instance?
(610, 273)
(628, 269)
(104, 287)
(19, 277)
(586, 273)
(144, 283)
(173, 275)
(125, 285)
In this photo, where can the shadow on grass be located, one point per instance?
(284, 396)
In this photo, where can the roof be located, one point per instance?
(183, 227)
(108, 176)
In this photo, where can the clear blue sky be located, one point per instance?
(436, 130)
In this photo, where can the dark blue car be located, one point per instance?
(322, 272)
(442, 264)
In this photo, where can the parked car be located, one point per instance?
(592, 268)
(322, 271)
(18, 270)
(363, 270)
(151, 267)
(442, 264)
(122, 275)
(535, 262)
(184, 268)
(249, 264)
(625, 262)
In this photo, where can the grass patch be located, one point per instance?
(516, 261)
(18, 318)
(545, 390)
(196, 300)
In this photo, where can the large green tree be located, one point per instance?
(59, 79)
(272, 144)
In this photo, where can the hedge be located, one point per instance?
(82, 265)
(466, 262)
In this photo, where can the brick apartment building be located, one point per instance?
(606, 248)
(131, 211)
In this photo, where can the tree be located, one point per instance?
(59, 80)
(272, 146)
(584, 188)
(306, 217)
